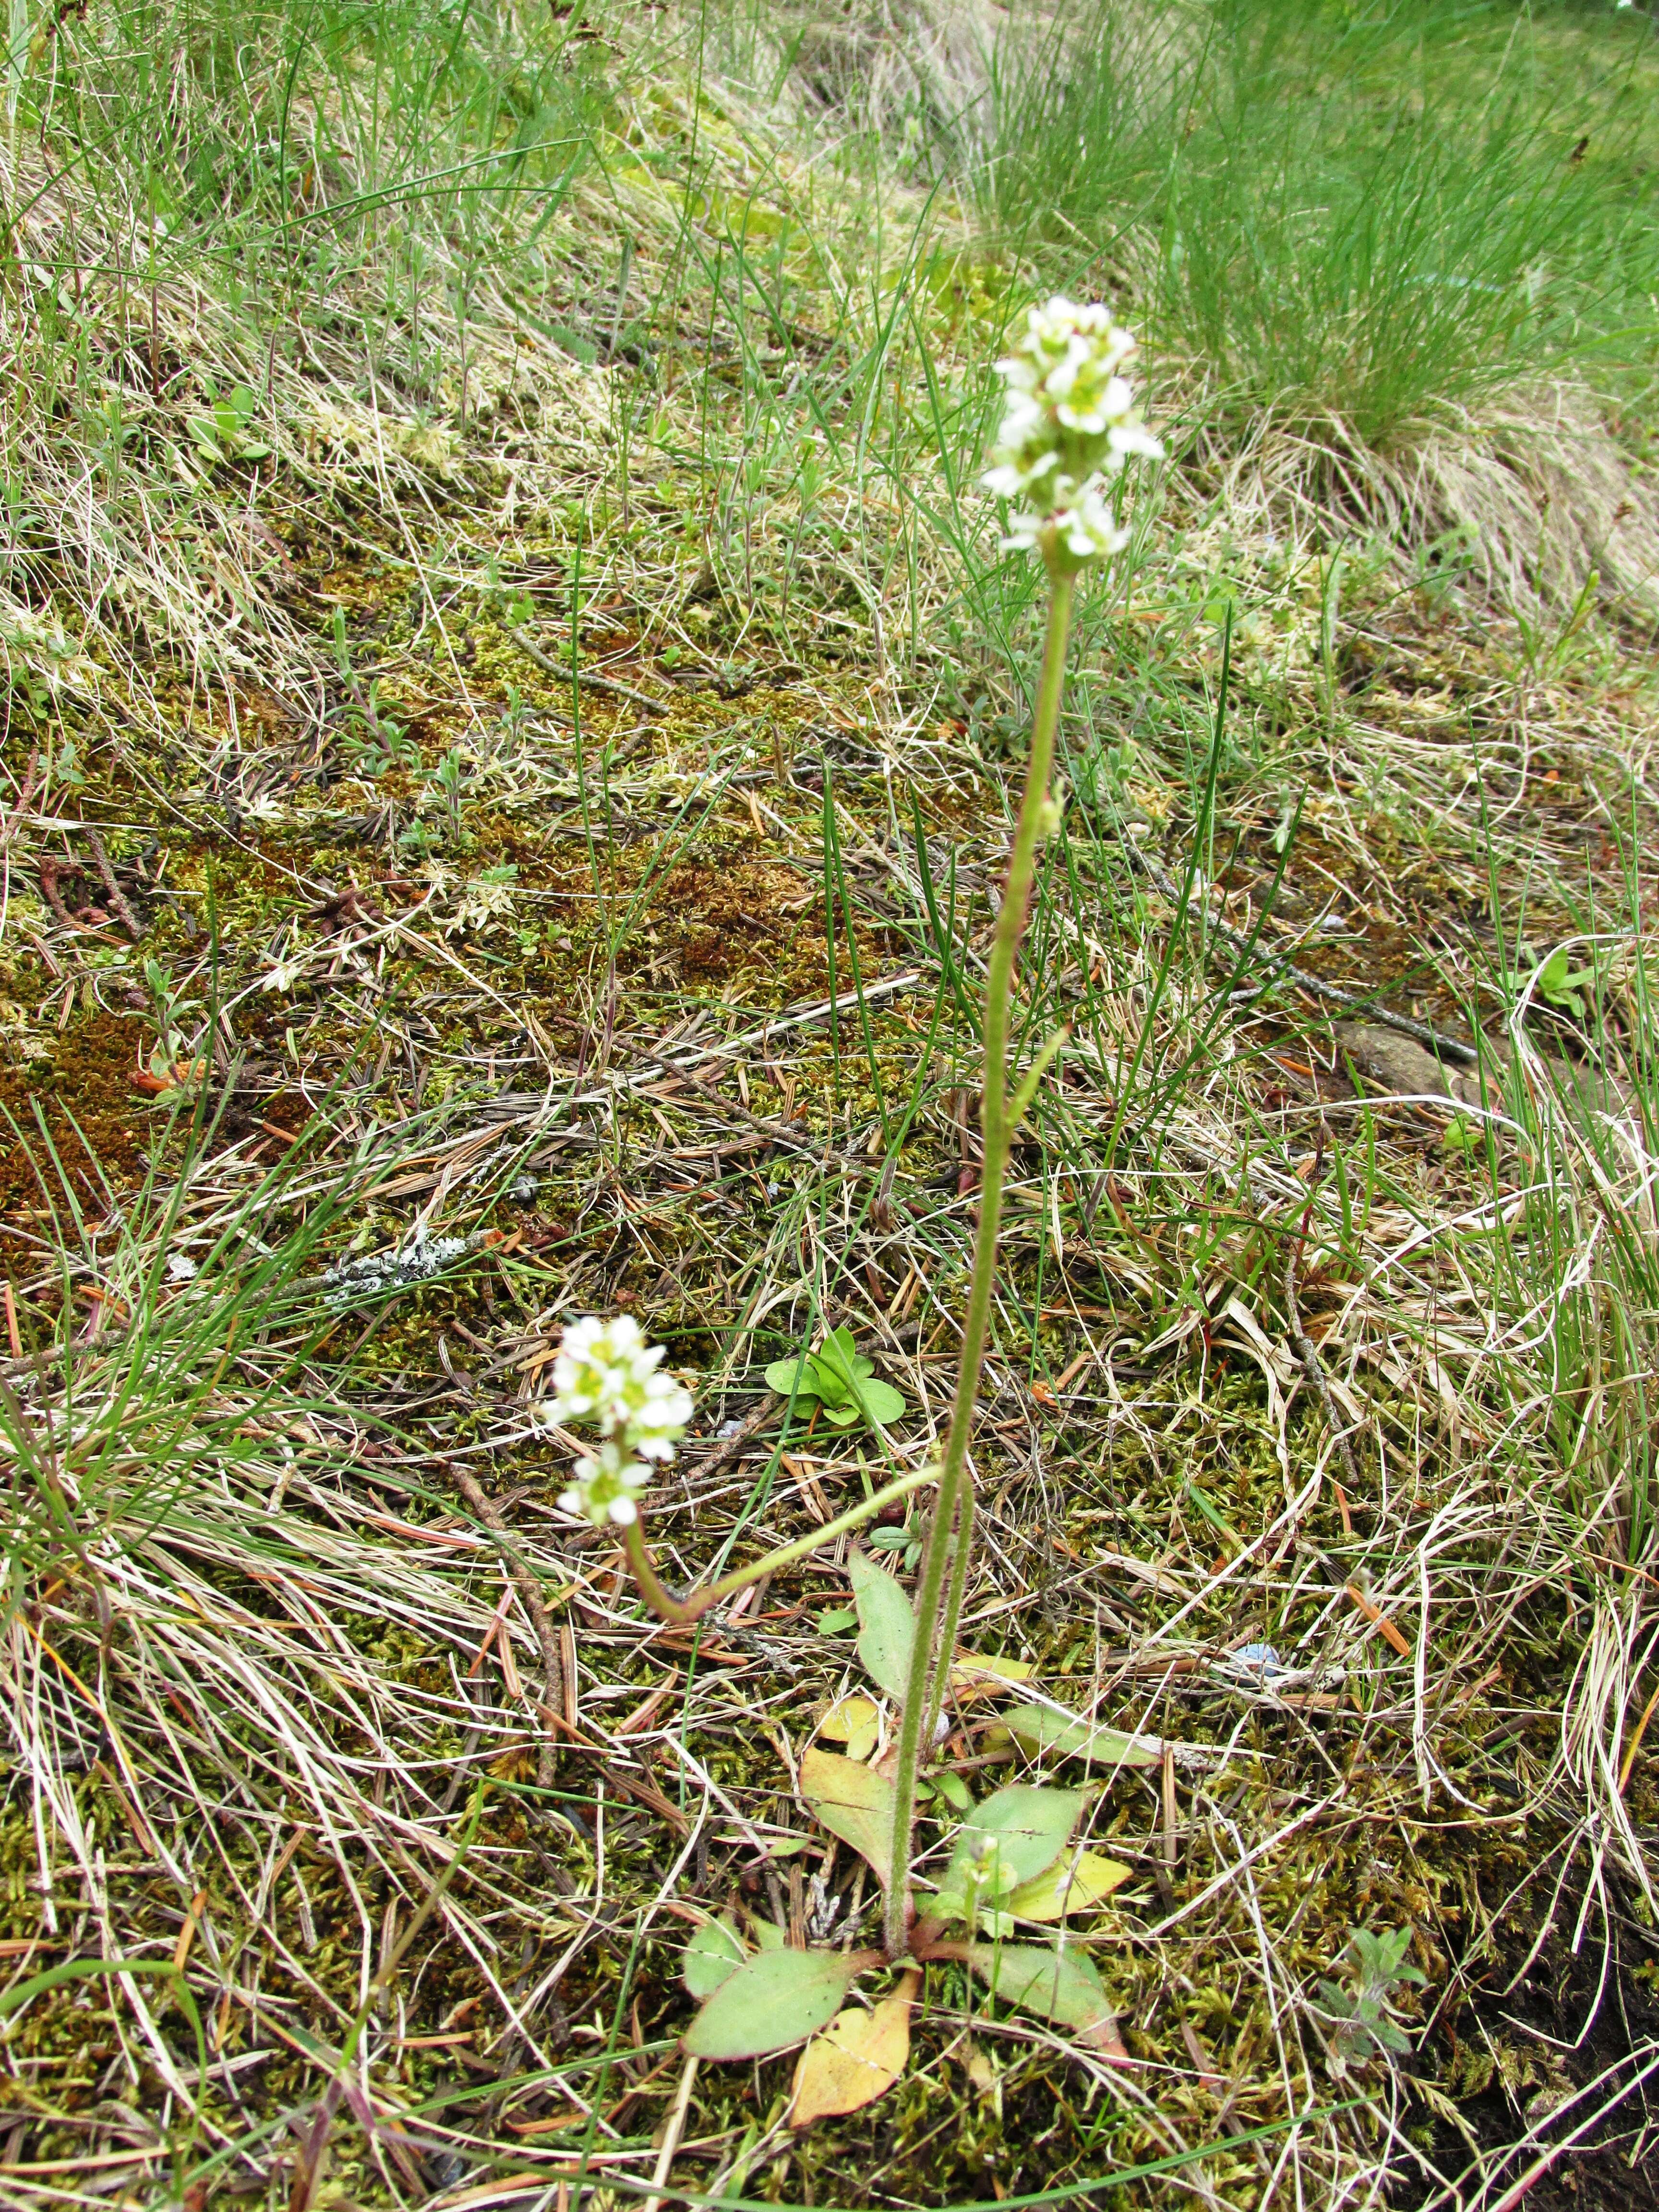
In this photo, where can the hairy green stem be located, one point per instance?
(945, 1565)
(684, 1610)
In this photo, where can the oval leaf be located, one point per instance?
(771, 2000)
(715, 1951)
(879, 1401)
(857, 2059)
(887, 1625)
(1077, 1882)
(853, 1802)
(1030, 1827)
(780, 1376)
(975, 1675)
(1059, 1985)
(1041, 1729)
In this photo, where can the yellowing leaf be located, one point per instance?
(1075, 1883)
(857, 2059)
(846, 1718)
(973, 1674)
(853, 1802)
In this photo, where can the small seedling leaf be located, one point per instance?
(857, 2059)
(1059, 1986)
(853, 1802)
(888, 1626)
(856, 1377)
(1041, 1729)
(714, 1952)
(1077, 1882)
(773, 2000)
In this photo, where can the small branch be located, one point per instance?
(118, 898)
(728, 1448)
(683, 1611)
(1450, 1048)
(568, 674)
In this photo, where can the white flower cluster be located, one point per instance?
(1069, 424)
(606, 1375)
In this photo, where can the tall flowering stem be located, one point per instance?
(1069, 423)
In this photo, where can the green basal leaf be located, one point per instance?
(780, 1376)
(767, 1936)
(715, 1951)
(881, 1403)
(1041, 1729)
(1059, 1986)
(1010, 1840)
(877, 1402)
(888, 1626)
(773, 2000)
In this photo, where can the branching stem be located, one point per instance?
(684, 1610)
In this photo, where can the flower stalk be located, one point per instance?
(1069, 423)
(1069, 426)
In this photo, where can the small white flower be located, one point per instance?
(607, 1375)
(1069, 421)
(605, 1486)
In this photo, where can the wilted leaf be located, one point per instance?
(1030, 1827)
(887, 1628)
(853, 1802)
(715, 1951)
(771, 2000)
(1077, 1882)
(846, 1718)
(857, 2059)
(1041, 1729)
(1060, 1985)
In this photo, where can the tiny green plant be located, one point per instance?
(1562, 985)
(1069, 426)
(222, 433)
(1361, 2016)
(837, 1383)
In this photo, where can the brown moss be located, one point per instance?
(96, 1122)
